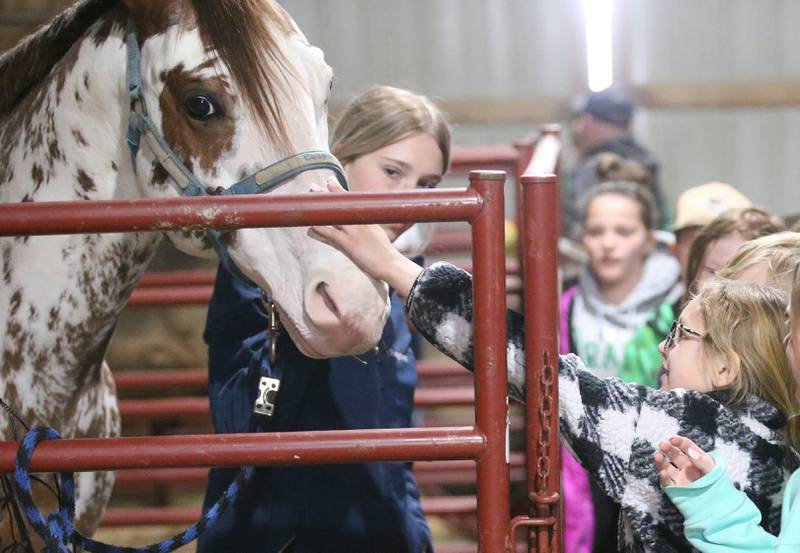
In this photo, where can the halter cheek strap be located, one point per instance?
(141, 130)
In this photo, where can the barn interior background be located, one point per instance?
(717, 82)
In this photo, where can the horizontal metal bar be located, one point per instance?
(183, 407)
(147, 380)
(157, 516)
(467, 158)
(228, 213)
(197, 378)
(162, 296)
(206, 277)
(197, 277)
(442, 472)
(278, 448)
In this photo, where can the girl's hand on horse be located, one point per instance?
(370, 249)
(680, 462)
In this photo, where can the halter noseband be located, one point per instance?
(142, 130)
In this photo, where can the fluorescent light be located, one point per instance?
(597, 14)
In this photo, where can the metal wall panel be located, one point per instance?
(513, 48)
(720, 41)
(448, 48)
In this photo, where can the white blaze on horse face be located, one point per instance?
(329, 307)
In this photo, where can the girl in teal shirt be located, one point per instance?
(719, 517)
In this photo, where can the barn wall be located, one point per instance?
(718, 42)
(501, 67)
(534, 49)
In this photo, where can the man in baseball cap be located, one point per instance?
(601, 123)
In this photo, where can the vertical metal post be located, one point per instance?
(540, 217)
(491, 373)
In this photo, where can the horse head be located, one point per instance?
(215, 93)
(234, 88)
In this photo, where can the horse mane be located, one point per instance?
(238, 31)
(25, 65)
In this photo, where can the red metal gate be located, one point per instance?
(486, 443)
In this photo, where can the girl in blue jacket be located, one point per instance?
(719, 517)
(387, 139)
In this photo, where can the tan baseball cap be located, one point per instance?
(699, 205)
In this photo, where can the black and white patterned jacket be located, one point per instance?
(613, 427)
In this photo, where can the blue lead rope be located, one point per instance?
(58, 530)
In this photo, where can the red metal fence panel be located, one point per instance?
(481, 204)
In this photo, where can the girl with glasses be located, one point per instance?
(730, 388)
(719, 516)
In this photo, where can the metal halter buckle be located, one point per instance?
(267, 390)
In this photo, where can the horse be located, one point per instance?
(122, 99)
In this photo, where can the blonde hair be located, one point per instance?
(793, 425)
(780, 252)
(383, 115)
(795, 296)
(745, 323)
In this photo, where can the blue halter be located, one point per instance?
(141, 129)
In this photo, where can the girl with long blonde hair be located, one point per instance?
(721, 518)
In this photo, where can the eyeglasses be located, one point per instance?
(673, 336)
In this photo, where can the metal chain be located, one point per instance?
(546, 378)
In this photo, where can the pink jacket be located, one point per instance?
(578, 506)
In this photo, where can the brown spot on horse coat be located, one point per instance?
(160, 175)
(86, 182)
(207, 140)
(53, 317)
(80, 140)
(54, 152)
(37, 175)
(15, 302)
(7, 272)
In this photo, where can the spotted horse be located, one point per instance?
(91, 108)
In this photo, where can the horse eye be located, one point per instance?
(201, 108)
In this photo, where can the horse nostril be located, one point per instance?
(322, 290)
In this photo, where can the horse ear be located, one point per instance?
(153, 16)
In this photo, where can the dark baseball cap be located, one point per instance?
(613, 105)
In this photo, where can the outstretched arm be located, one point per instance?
(718, 517)
(440, 305)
